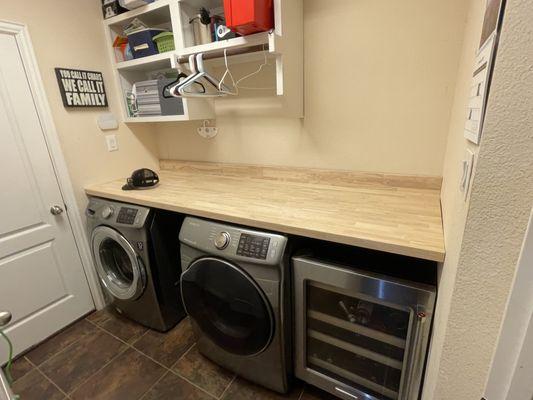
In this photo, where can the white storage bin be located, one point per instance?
(132, 4)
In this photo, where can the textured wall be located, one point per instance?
(500, 203)
(69, 33)
(379, 84)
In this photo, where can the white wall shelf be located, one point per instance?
(157, 61)
(284, 44)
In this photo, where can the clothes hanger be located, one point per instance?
(202, 73)
(213, 81)
(181, 75)
(194, 72)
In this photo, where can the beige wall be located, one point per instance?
(454, 207)
(484, 237)
(383, 106)
(69, 33)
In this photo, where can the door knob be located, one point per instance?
(5, 318)
(56, 210)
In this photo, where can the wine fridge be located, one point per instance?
(358, 335)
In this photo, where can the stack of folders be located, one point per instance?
(147, 96)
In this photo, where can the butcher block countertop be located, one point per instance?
(397, 214)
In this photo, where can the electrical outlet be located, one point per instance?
(111, 142)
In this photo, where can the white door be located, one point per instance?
(42, 282)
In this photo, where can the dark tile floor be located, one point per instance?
(105, 356)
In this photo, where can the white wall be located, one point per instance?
(69, 33)
(379, 83)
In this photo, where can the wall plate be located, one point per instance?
(208, 132)
(468, 165)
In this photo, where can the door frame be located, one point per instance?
(22, 36)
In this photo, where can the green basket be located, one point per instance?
(164, 42)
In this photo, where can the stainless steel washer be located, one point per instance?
(234, 287)
(136, 255)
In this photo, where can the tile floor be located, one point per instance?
(105, 356)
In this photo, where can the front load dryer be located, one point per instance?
(234, 287)
(136, 254)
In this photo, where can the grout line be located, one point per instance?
(49, 379)
(146, 355)
(130, 346)
(98, 370)
(183, 355)
(60, 351)
(227, 387)
(193, 384)
(154, 385)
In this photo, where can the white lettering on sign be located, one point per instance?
(81, 88)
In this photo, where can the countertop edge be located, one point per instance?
(431, 255)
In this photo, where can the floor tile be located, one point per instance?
(203, 373)
(127, 377)
(58, 342)
(241, 389)
(77, 363)
(313, 393)
(118, 325)
(20, 367)
(172, 387)
(168, 347)
(99, 316)
(35, 386)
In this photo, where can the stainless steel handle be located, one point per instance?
(5, 318)
(416, 356)
(344, 392)
(56, 210)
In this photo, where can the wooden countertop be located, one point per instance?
(383, 212)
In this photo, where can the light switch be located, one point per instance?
(112, 143)
(468, 164)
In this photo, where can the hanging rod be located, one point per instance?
(219, 53)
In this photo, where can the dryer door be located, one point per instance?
(228, 306)
(120, 269)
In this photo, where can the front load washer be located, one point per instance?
(234, 287)
(136, 255)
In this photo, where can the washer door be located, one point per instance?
(228, 306)
(121, 271)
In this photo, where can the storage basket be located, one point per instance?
(165, 42)
(141, 42)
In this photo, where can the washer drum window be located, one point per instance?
(120, 270)
(228, 306)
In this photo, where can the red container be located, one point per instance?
(249, 16)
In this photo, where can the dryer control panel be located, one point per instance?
(233, 242)
(253, 246)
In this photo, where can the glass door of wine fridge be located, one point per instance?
(360, 336)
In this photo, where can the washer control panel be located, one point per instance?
(233, 242)
(254, 246)
(114, 213)
(127, 215)
(222, 240)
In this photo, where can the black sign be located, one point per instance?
(81, 88)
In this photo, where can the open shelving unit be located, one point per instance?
(284, 44)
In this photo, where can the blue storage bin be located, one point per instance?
(141, 42)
